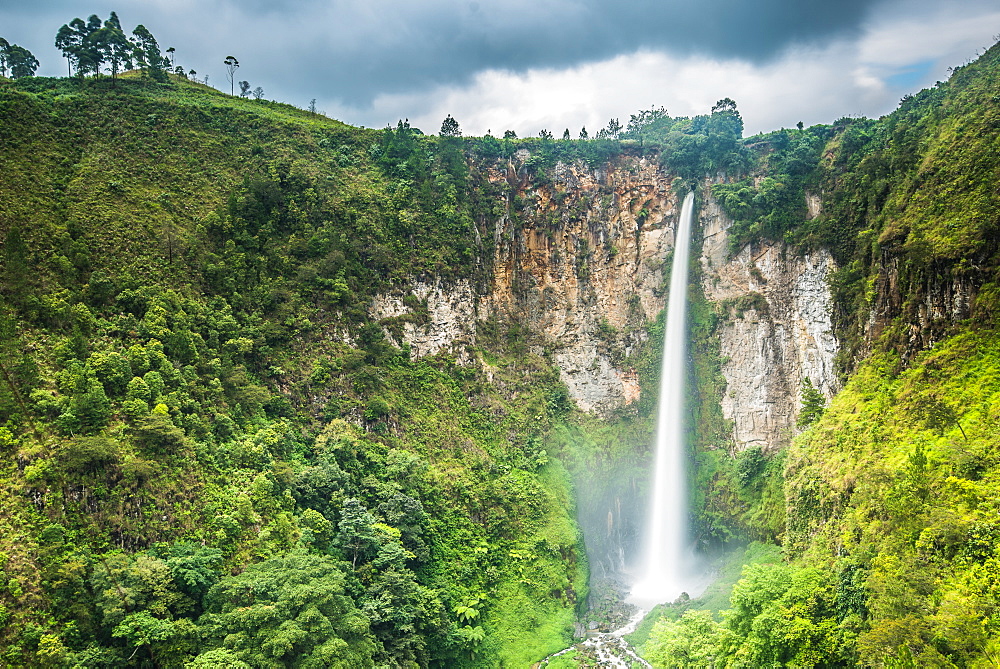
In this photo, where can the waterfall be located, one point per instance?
(665, 569)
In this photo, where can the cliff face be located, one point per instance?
(777, 330)
(581, 262)
(930, 302)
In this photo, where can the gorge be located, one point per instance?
(283, 392)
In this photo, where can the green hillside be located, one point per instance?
(889, 542)
(198, 467)
(215, 457)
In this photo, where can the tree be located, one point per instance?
(583, 133)
(566, 134)
(450, 127)
(545, 134)
(4, 45)
(91, 58)
(614, 128)
(113, 45)
(356, 534)
(652, 123)
(170, 51)
(244, 89)
(157, 434)
(290, 610)
(726, 118)
(509, 134)
(66, 41)
(231, 64)
(21, 61)
(813, 404)
(725, 105)
(258, 93)
(147, 52)
(74, 40)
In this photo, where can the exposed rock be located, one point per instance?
(814, 206)
(449, 325)
(778, 332)
(580, 263)
(940, 298)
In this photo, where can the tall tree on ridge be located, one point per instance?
(4, 45)
(22, 62)
(74, 40)
(93, 58)
(231, 64)
(147, 52)
(450, 127)
(67, 41)
(114, 45)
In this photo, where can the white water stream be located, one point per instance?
(666, 569)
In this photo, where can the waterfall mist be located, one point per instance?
(667, 568)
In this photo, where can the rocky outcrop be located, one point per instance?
(776, 331)
(930, 300)
(579, 260)
(442, 319)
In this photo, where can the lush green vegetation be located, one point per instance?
(885, 506)
(215, 456)
(199, 468)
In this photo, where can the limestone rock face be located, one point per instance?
(450, 322)
(776, 333)
(582, 261)
(579, 261)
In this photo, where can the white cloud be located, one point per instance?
(813, 85)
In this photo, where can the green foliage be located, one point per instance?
(771, 205)
(813, 404)
(911, 192)
(693, 640)
(907, 502)
(196, 267)
(217, 457)
(22, 63)
(289, 611)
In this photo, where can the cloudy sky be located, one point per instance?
(554, 64)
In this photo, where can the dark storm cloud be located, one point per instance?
(354, 50)
(375, 47)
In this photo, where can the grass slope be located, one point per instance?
(193, 390)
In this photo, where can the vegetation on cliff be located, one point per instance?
(889, 540)
(213, 453)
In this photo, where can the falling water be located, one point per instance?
(666, 567)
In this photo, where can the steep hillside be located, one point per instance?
(281, 391)
(212, 449)
(890, 498)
